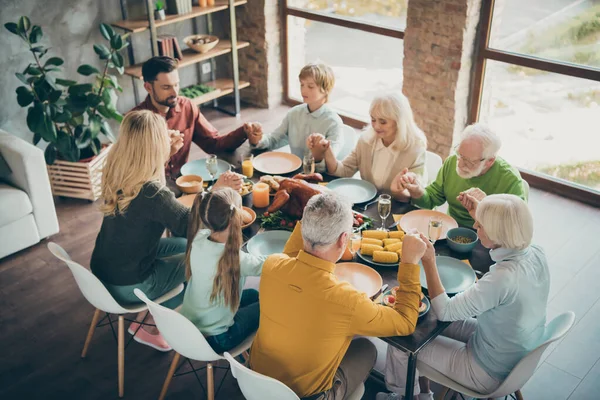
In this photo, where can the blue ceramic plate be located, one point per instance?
(456, 275)
(424, 300)
(355, 190)
(267, 243)
(369, 260)
(198, 167)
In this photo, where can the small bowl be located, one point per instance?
(201, 48)
(461, 247)
(252, 213)
(189, 184)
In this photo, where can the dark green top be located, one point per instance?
(127, 244)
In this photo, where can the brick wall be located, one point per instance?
(438, 56)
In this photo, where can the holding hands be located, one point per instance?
(470, 199)
(318, 145)
(409, 181)
(175, 141)
(229, 179)
(254, 132)
(414, 247)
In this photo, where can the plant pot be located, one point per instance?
(80, 179)
(159, 14)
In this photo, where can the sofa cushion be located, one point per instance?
(4, 168)
(14, 204)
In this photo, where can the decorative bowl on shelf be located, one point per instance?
(201, 43)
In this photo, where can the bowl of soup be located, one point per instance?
(189, 184)
(461, 240)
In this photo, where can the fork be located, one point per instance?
(368, 204)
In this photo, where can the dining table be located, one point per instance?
(428, 327)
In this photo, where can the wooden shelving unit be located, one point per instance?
(190, 57)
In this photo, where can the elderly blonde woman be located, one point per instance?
(392, 146)
(475, 164)
(509, 303)
(137, 207)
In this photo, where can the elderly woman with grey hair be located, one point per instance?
(309, 318)
(509, 303)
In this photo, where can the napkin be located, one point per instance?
(396, 219)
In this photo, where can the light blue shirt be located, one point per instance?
(510, 305)
(299, 124)
(212, 318)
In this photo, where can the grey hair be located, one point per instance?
(489, 140)
(506, 220)
(326, 217)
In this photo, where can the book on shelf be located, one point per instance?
(169, 46)
(178, 54)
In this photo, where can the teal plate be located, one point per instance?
(198, 167)
(267, 243)
(369, 260)
(456, 275)
(355, 190)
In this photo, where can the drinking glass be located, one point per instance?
(308, 164)
(354, 243)
(384, 207)
(211, 166)
(435, 229)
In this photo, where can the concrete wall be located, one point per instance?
(71, 29)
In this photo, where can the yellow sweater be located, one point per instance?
(308, 317)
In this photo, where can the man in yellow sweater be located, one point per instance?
(308, 318)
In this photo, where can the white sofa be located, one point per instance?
(27, 213)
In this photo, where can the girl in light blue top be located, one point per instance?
(216, 270)
(509, 303)
(314, 116)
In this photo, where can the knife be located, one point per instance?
(395, 224)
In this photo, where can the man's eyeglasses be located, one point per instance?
(468, 162)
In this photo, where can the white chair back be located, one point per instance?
(432, 166)
(91, 287)
(349, 139)
(179, 332)
(526, 189)
(555, 330)
(255, 386)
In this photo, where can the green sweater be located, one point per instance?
(500, 178)
(127, 244)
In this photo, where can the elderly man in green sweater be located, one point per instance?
(475, 169)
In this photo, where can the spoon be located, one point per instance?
(368, 204)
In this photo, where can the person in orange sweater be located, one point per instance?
(309, 318)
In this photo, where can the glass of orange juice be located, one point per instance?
(247, 166)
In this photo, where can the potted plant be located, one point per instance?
(70, 116)
(159, 11)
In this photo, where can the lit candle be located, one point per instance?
(260, 195)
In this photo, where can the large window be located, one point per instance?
(360, 40)
(538, 84)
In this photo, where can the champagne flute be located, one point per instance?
(384, 207)
(354, 243)
(211, 166)
(308, 164)
(435, 229)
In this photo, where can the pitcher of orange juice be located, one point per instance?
(247, 166)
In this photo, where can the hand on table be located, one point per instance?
(175, 141)
(229, 179)
(254, 132)
(318, 145)
(413, 248)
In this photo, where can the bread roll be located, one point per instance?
(246, 217)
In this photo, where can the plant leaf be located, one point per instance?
(116, 42)
(12, 27)
(63, 142)
(36, 34)
(22, 78)
(85, 140)
(81, 88)
(102, 51)
(117, 59)
(107, 132)
(107, 31)
(24, 24)
(96, 146)
(106, 96)
(54, 61)
(93, 99)
(36, 138)
(54, 96)
(33, 70)
(87, 70)
(50, 154)
(63, 117)
(95, 124)
(24, 96)
(65, 82)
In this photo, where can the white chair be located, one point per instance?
(526, 189)
(555, 330)
(187, 341)
(255, 386)
(349, 140)
(97, 295)
(432, 166)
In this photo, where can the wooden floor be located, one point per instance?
(44, 318)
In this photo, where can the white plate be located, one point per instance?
(267, 243)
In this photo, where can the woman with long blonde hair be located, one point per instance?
(216, 269)
(392, 144)
(137, 207)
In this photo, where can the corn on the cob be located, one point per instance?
(376, 242)
(387, 242)
(397, 234)
(375, 234)
(368, 249)
(393, 247)
(385, 257)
